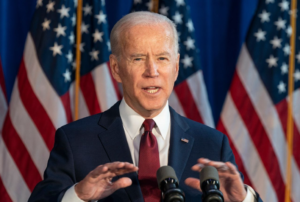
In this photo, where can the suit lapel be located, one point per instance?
(114, 142)
(179, 150)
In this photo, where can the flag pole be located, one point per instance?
(155, 6)
(290, 123)
(78, 59)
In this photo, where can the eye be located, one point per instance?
(137, 59)
(162, 58)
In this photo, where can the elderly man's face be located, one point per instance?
(147, 67)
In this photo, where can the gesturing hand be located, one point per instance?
(231, 184)
(97, 184)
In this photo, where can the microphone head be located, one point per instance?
(209, 172)
(165, 172)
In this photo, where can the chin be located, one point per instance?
(154, 105)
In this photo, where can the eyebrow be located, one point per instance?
(164, 53)
(143, 55)
(137, 55)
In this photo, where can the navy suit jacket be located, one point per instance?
(83, 145)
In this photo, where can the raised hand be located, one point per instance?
(231, 184)
(97, 184)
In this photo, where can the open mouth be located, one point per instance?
(152, 90)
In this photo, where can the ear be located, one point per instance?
(115, 68)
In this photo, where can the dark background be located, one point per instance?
(220, 27)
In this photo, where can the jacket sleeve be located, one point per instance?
(59, 174)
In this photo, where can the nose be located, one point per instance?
(151, 69)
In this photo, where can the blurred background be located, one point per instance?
(235, 75)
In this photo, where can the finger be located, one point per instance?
(121, 183)
(198, 167)
(220, 166)
(117, 168)
(193, 182)
(232, 168)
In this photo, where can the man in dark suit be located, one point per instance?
(103, 157)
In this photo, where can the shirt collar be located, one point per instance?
(132, 121)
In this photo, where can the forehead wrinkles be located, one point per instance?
(139, 35)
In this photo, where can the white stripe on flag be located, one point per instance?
(45, 93)
(198, 90)
(83, 109)
(104, 86)
(175, 104)
(296, 109)
(11, 177)
(247, 151)
(27, 131)
(3, 108)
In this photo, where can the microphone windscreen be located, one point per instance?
(209, 172)
(165, 172)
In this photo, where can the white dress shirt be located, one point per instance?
(132, 124)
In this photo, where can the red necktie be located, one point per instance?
(149, 163)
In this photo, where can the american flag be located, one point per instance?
(189, 97)
(3, 111)
(43, 95)
(254, 115)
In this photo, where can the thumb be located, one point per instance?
(122, 183)
(193, 182)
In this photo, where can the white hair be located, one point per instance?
(139, 18)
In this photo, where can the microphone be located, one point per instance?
(210, 185)
(168, 184)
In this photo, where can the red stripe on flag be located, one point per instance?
(115, 83)
(65, 99)
(34, 108)
(187, 101)
(20, 155)
(258, 135)
(281, 108)
(2, 81)
(238, 159)
(88, 90)
(4, 197)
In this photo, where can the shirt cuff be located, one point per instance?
(71, 196)
(251, 195)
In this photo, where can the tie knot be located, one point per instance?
(149, 124)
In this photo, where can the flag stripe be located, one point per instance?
(89, 93)
(83, 109)
(20, 155)
(198, 90)
(65, 100)
(41, 86)
(11, 177)
(34, 108)
(258, 134)
(281, 109)
(240, 137)
(263, 105)
(265, 110)
(27, 131)
(3, 108)
(188, 104)
(4, 197)
(296, 108)
(237, 157)
(115, 83)
(2, 82)
(175, 104)
(105, 90)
